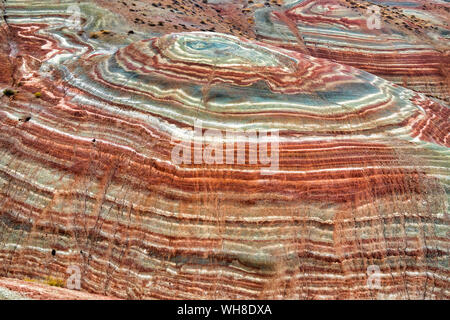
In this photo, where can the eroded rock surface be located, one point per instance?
(87, 176)
(14, 289)
(406, 42)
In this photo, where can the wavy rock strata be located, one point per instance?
(409, 44)
(87, 177)
(13, 289)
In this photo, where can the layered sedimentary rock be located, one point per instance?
(88, 179)
(14, 289)
(406, 42)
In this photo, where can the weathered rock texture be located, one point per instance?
(13, 289)
(87, 179)
(410, 47)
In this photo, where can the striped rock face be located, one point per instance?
(92, 191)
(403, 41)
(406, 42)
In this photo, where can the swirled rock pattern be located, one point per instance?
(87, 177)
(406, 42)
(408, 45)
